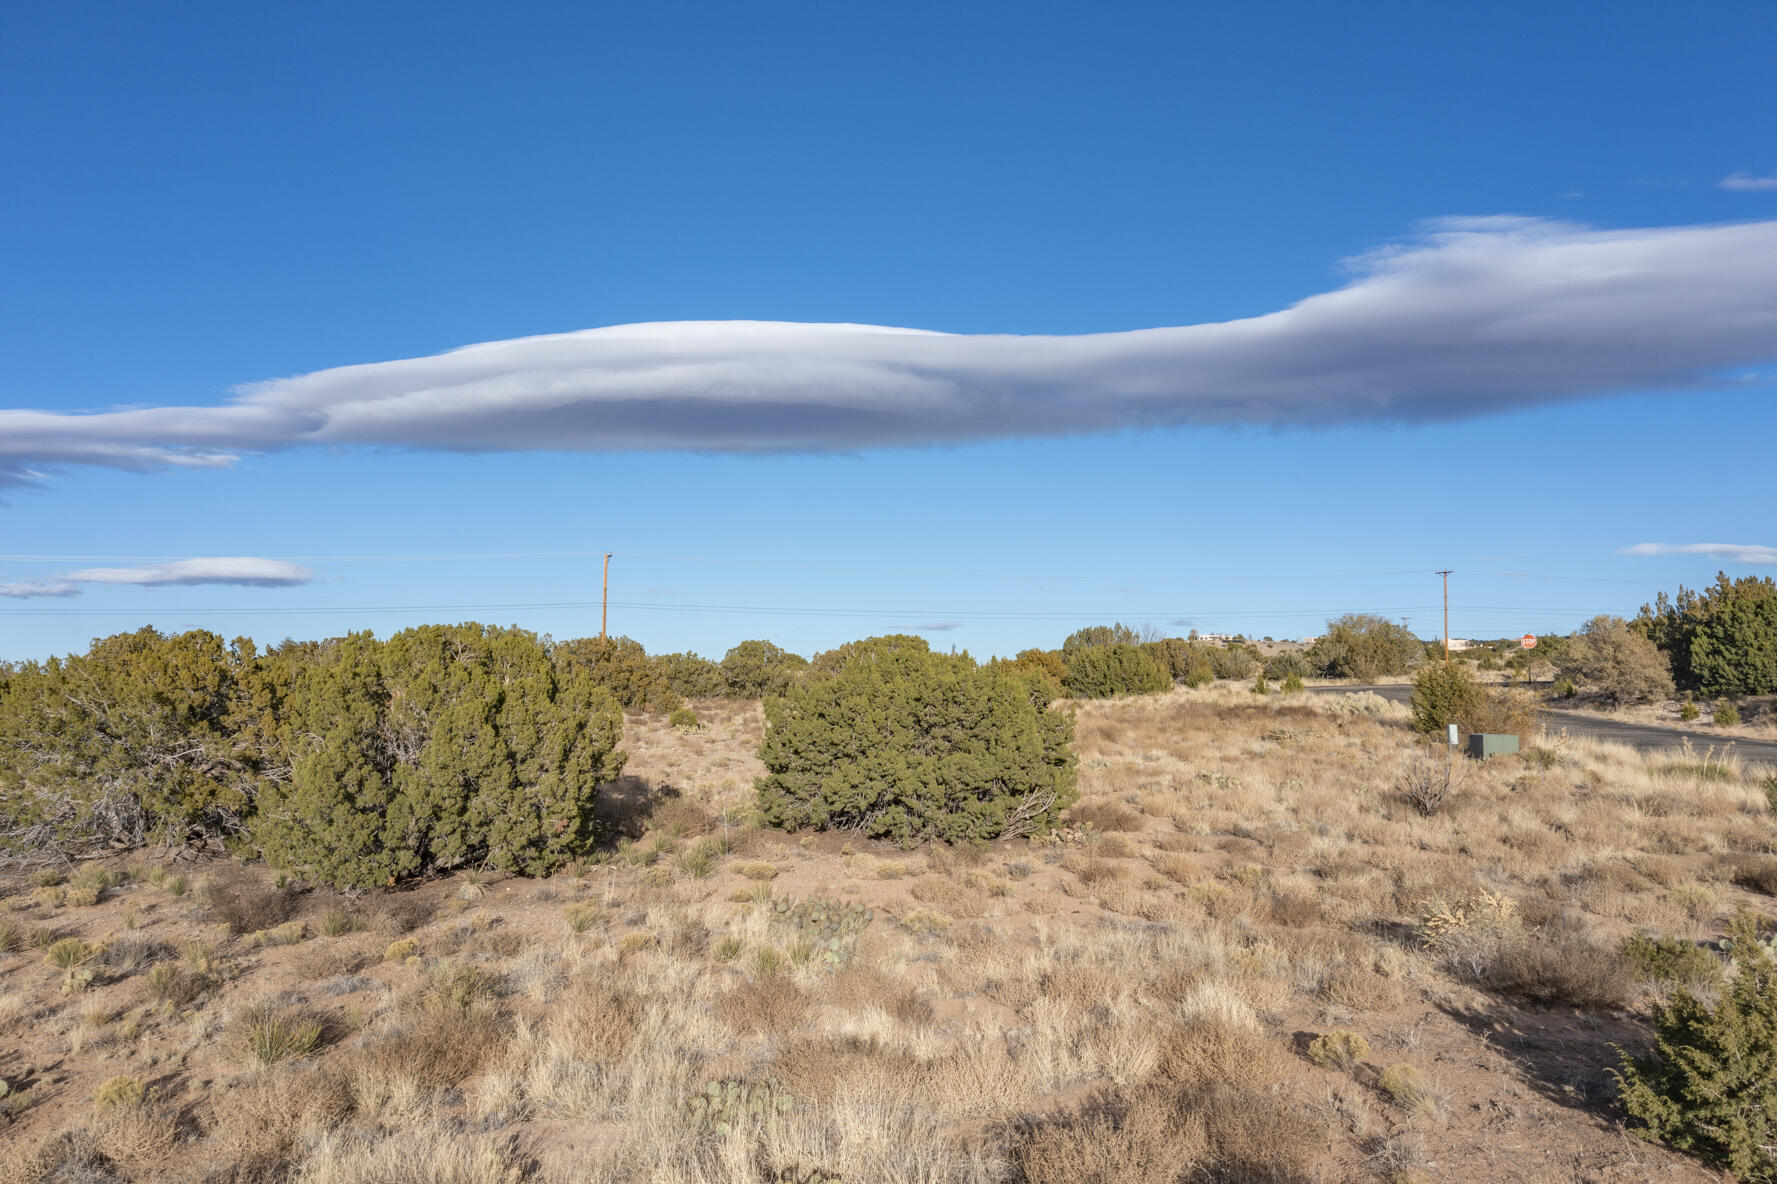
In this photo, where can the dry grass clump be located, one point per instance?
(247, 901)
(434, 1152)
(769, 1006)
(268, 1031)
(597, 1021)
(1105, 815)
(1112, 1139)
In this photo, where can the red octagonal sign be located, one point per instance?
(1528, 641)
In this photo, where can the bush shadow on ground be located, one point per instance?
(1564, 1054)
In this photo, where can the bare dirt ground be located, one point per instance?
(1248, 958)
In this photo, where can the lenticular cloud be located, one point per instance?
(1472, 317)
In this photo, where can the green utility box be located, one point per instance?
(1482, 745)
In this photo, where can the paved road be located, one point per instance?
(1646, 737)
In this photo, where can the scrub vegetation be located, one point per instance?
(910, 917)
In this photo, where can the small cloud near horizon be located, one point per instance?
(1747, 183)
(28, 589)
(936, 627)
(1730, 552)
(240, 571)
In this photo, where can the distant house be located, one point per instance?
(1462, 643)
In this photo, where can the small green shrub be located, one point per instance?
(1286, 665)
(1260, 686)
(121, 1092)
(1292, 684)
(1709, 1086)
(401, 949)
(1106, 671)
(1672, 960)
(1726, 714)
(684, 719)
(1564, 689)
(1445, 694)
(1688, 711)
(908, 745)
(1342, 1050)
(1769, 785)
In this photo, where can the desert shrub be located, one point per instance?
(1173, 654)
(1282, 665)
(1446, 693)
(1363, 647)
(443, 746)
(1107, 816)
(1726, 714)
(757, 669)
(691, 676)
(120, 1091)
(145, 736)
(247, 901)
(268, 1033)
(1260, 686)
(1620, 664)
(684, 719)
(1687, 711)
(1721, 641)
(909, 745)
(1095, 636)
(1232, 660)
(1672, 960)
(1709, 1085)
(620, 665)
(1292, 684)
(1105, 671)
(1564, 689)
(1485, 942)
(1342, 1050)
(1428, 779)
(1146, 1138)
(1042, 672)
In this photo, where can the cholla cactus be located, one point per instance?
(1490, 912)
(725, 1105)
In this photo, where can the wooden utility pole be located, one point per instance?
(605, 599)
(1446, 576)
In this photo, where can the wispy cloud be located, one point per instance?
(935, 627)
(1183, 622)
(1729, 552)
(242, 571)
(1747, 183)
(29, 589)
(1470, 317)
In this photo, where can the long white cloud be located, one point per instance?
(1747, 183)
(244, 571)
(1730, 552)
(1471, 317)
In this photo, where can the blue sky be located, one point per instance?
(223, 195)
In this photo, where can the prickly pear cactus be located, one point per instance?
(830, 928)
(724, 1105)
